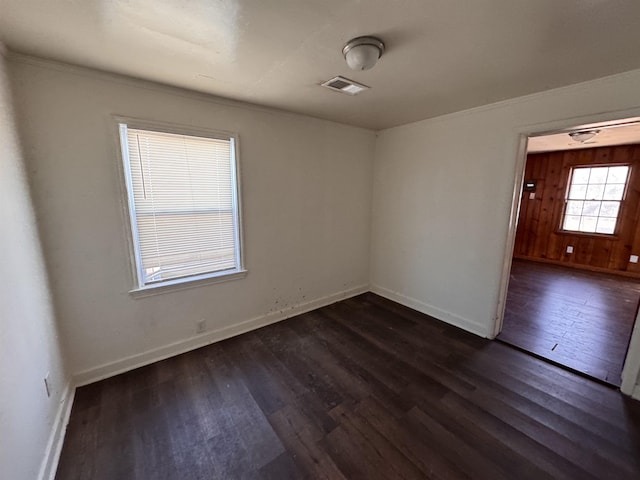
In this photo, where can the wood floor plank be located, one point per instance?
(415, 446)
(600, 439)
(297, 432)
(573, 317)
(363, 388)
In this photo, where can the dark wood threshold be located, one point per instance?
(560, 365)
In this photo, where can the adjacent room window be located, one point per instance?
(183, 204)
(593, 199)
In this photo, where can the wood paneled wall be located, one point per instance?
(539, 236)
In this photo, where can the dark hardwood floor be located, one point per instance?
(362, 389)
(573, 317)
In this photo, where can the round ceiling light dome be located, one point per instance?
(584, 135)
(362, 53)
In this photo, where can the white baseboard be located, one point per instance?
(151, 356)
(465, 324)
(56, 438)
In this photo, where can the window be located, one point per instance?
(183, 204)
(593, 199)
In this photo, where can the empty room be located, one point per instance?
(276, 239)
(574, 283)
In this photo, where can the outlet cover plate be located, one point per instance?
(201, 325)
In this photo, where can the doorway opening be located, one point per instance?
(573, 287)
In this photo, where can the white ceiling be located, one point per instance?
(442, 55)
(608, 136)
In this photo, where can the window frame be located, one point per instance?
(128, 205)
(566, 199)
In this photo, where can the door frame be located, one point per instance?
(631, 370)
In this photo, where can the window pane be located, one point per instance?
(593, 200)
(578, 192)
(580, 175)
(613, 192)
(599, 175)
(591, 208)
(574, 207)
(595, 192)
(571, 222)
(609, 209)
(606, 225)
(618, 174)
(182, 192)
(588, 224)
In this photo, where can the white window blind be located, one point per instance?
(183, 204)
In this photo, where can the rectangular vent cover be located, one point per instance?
(344, 85)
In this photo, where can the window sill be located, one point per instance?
(604, 236)
(185, 283)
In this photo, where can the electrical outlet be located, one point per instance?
(569, 248)
(201, 326)
(47, 385)
(633, 259)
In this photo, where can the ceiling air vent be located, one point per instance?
(344, 85)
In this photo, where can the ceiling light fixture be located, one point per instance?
(584, 135)
(362, 53)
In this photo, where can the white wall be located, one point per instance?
(443, 193)
(29, 344)
(306, 193)
(441, 202)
